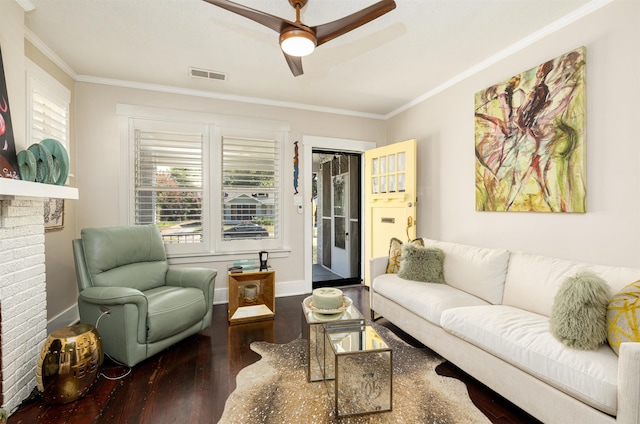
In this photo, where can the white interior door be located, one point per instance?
(340, 254)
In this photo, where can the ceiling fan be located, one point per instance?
(298, 39)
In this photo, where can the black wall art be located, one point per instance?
(8, 158)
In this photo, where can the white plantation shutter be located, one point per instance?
(49, 119)
(48, 105)
(168, 183)
(251, 185)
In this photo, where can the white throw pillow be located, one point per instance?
(479, 271)
(533, 280)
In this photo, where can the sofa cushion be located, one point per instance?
(476, 270)
(579, 313)
(395, 253)
(422, 264)
(427, 300)
(533, 280)
(172, 310)
(523, 339)
(623, 315)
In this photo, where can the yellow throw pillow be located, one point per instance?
(623, 314)
(395, 253)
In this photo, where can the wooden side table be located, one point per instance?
(251, 296)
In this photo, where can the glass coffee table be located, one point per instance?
(357, 369)
(312, 330)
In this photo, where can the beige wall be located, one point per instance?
(62, 290)
(61, 287)
(444, 125)
(99, 166)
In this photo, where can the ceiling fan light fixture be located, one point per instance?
(297, 42)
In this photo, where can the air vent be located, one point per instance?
(206, 74)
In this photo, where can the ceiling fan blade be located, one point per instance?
(270, 21)
(295, 64)
(329, 31)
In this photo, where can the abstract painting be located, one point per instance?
(8, 157)
(530, 139)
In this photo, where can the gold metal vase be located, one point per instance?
(69, 363)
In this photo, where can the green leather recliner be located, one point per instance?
(124, 271)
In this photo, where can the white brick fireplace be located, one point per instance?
(23, 301)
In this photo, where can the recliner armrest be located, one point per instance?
(200, 278)
(127, 309)
(114, 296)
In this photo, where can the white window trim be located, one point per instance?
(218, 126)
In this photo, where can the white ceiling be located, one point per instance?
(375, 70)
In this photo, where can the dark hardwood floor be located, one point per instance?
(190, 382)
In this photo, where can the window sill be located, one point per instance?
(193, 258)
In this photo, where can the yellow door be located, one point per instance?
(390, 198)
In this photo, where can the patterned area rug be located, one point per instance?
(275, 390)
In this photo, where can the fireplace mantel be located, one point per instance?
(13, 189)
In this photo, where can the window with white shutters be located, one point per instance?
(47, 107)
(168, 181)
(212, 183)
(49, 117)
(250, 188)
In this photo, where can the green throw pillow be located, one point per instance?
(422, 264)
(579, 313)
(395, 253)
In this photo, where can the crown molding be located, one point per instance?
(503, 54)
(221, 96)
(492, 60)
(27, 5)
(50, 54)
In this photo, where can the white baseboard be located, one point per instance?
(283, 289)
(64, 319)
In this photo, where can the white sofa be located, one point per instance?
(491, 319)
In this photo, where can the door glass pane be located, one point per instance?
(401, 183)
(339, 237)
(374, 185)
(392, 183)
(339, 232)
(401, 161)
(383, 164)
(383, 184)
(392, 163)
(338, 196)
(374, 166)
